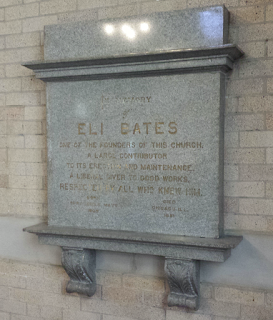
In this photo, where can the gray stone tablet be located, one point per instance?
(139, 154)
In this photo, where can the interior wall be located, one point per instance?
(132, 286)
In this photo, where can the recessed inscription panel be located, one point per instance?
(136, 154)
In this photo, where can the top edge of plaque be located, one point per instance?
(190, 28)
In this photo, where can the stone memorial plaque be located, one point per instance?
(137, 154)
(135, 143)
(129, 149)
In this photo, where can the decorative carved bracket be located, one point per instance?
(183, 279)
(80, 265)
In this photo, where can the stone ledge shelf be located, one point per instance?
(182, 256)
(218, 58)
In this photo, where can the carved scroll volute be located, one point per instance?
(183, 280)
(80, 265)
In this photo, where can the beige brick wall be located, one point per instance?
(37, 291)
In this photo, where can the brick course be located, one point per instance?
(26, 292)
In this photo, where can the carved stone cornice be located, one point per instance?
(219, 58)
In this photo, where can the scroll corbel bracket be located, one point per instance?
(80, 265)
(184, 281)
